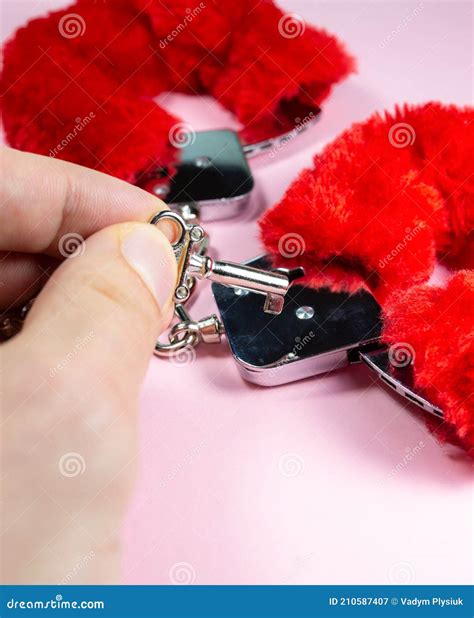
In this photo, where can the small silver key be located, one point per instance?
(189, 249)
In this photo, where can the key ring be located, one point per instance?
(188, 334)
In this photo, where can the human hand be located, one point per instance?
(72, 376)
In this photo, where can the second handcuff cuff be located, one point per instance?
(278, 330)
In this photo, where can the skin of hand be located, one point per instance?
(71, 377)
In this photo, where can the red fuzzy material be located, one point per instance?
(439, 325)
(374, 212)
(382, 203)
(104, 62)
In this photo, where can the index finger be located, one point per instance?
(42, 199)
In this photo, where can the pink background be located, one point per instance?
(310, 482)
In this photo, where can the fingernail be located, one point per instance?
(151, 257)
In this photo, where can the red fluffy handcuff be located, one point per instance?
(382, 203)
(257, 62)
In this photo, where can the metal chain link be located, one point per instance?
(188, 333)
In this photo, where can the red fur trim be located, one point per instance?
(439, 325)
(132, 50)
(374, 213)
(385, 211)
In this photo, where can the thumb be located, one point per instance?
(97, 319)
(69, 428)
